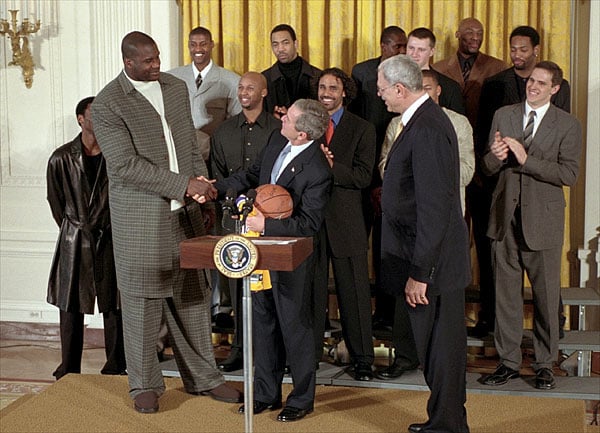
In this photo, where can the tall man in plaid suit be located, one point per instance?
(145, 130)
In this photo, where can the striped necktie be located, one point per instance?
(198, 81)
(466, 70)
(528, 131)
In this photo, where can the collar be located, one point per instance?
(203, 72)
(337, 116)
(410, 111)
(141, 86)
(539, 112)
(261, 120)
(299, 148)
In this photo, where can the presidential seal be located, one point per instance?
(235, 256)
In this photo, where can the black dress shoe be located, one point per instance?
(395, 370)
(363, 371)
(232, 363)
(416, 428)
(290, 413)
(544, 379)
(482, 329)
(260, 407)
(501, 376)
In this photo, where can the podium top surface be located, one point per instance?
(274, 253)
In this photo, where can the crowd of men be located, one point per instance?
(401, 151)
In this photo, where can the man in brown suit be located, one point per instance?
(470, 67)
(144, 127)
(535, 149)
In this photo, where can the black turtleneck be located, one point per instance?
(291, 73)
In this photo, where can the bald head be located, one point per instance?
(470, 36)
(132, 42)
(252, 88)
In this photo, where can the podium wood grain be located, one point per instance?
(197, 253)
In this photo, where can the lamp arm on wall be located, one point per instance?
(21, 54)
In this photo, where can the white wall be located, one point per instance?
(76, 52)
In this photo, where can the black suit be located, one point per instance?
(451, 96)
(498, 91)
(344, 239)
(424, 237)
(369, 106)
(281, 316)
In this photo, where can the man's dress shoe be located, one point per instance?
(260, 407)
(501, 376)
(544, 379)
(146, 402)
(398, 367)
(232, 363)
(363, 372)
(290, 413)
(416, 428)
(224, 393)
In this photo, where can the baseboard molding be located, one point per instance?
(45, 332)
(28, 311)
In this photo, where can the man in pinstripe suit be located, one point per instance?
(145, 131)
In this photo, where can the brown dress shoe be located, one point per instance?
(224, 393)
(146, 402)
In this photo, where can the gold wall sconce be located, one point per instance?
(19, 38)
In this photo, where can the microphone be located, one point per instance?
(248, 203)
(229, 209)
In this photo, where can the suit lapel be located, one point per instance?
(545, 128)
(296, 165)
(408, 126)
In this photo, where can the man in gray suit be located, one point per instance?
(213, 97)
(535, 149)
(144, 128)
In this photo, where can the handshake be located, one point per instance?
(201, 189)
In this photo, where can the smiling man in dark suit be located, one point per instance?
(425, 256)
(349, 145)
(535, 148)
(282, 324)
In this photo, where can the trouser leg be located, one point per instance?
(113, 343)
(71, 343)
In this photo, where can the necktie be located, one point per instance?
(198, 81)
(329, 132)
(528, 131)
(399, 128)
(279, 162)
(466, 71)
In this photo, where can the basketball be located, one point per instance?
(273, 201)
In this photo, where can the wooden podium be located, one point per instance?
(274, 254)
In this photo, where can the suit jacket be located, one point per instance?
(552, 162)
(501, 90)
(83, 266)
(277, 91)
(216, 98)
(353, 147)
(130, 134)
(451, 96)
(424, 235)
(307, 178)
(368, 104)
(484, 66)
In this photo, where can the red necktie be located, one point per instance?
(329, 132)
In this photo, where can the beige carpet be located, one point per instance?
(95, 403)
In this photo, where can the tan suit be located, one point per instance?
(527, 228)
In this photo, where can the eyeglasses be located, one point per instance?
(380, 90)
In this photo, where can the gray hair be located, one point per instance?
(314, 118)
(404, 70)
